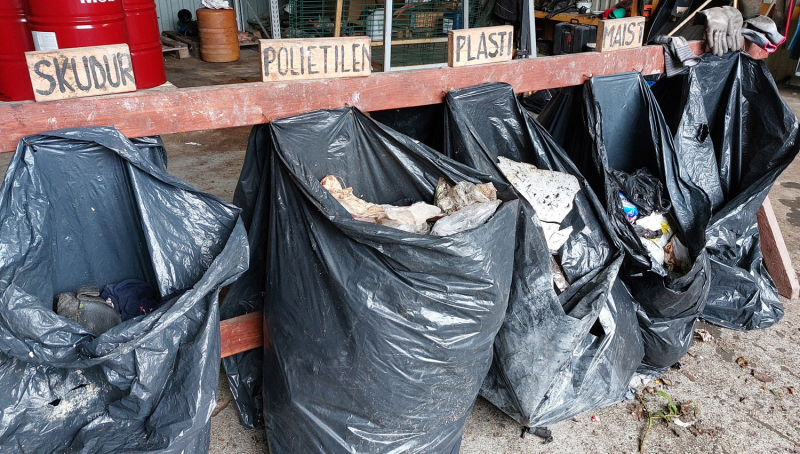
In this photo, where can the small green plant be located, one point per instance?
(669, 413)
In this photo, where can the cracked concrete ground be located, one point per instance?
(737, 411)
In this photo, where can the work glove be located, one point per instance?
(758, 39)
(716, 20)
(734, 35)
(767, 27)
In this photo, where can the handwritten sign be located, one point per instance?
(617, 34)
(476, 46)
(80, 72)
(318, 58)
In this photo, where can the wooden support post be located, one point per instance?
(240, 334)
(337, 22)
(776, 256)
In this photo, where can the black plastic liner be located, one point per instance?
(735, 135)
(423, 123)
(614, 122)
(556, 355)
(537, 101)
(379, 340)
(85, 206)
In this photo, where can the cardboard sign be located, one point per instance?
(476, 46)
(318, 58)
(80, 72)
(617, 34)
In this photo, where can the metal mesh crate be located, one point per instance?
(419, 29)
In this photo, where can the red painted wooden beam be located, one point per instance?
(151, 112)
(240, 334)
(775, 254)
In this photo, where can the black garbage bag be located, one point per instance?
(423, 123)
(601, 136)
(85, 206)
(378, 339)
(644, 190)
(153, 149)
(536, 101)
(556, 355)
(737, 135)
(246, 295)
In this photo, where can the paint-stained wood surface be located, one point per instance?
(80, 72)
(619, 34)
(776, 255)
(240, 334)
(152, 112)
(478, 46)
(319, 58)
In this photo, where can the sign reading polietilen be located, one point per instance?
(476, 46)
(618, 34)
(80, 72)
(318, 58)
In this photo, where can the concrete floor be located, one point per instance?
(738, 413)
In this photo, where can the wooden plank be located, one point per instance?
(319, 58)
(586, 19)
(240, 334)
(84, 71)
(337, 22)
(618, 34)
(478, 46)
(405, 42)
(175, 46)
(146, 113)
(776, 255)
(193, 44)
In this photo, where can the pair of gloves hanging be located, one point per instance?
(725, 29)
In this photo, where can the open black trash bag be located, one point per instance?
(613, 122)
(153, 150)
(423, 123)
(85, 206)
(378, 339)
(556, 355)
(736, 135)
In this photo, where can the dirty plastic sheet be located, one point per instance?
(379, 339)
(600, 136)
(555, 356)
(735, 135)
(85, 206)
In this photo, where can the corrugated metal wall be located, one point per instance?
(168, 10)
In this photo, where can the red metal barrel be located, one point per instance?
(15, 40)
(77, 23)
(145, 42)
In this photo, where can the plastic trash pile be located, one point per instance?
(456, 208)
(646, 206)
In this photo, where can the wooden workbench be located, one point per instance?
(160, 111)
(586, 19)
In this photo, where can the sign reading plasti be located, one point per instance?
(319, 58)
(476, 46)
(80, 72)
